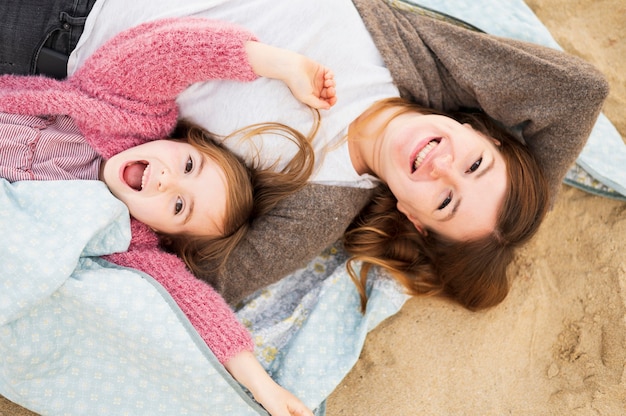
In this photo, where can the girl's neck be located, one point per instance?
(101, 170)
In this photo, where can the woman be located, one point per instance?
(378, 51)
(473, 152)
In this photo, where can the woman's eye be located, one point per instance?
(445, 202)
(475, 166)
(189, 165)
(178, 206)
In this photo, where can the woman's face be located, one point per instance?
(169, 186)
(446, 176)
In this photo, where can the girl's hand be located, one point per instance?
(309, 81)
(245, 368)
(280, 402)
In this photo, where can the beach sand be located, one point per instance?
(557, 344)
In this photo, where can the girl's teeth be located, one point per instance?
(143, 178)
(423, 153)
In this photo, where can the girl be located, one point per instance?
(100, 123)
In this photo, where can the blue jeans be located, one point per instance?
(37, 36)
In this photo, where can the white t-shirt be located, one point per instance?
(329, 31)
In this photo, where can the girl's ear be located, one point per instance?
(416, 223)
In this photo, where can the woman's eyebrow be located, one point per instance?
(455, 208)
(487, 169)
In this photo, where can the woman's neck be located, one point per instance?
(365, 135)
(356, 149)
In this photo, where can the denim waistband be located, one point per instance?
(62, 39)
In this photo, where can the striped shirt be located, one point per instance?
(44, 148)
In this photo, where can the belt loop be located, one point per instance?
(67, 18)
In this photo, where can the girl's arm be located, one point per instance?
(156, 61)
(125, 93)
(127, 90)
(245, 368)
(309, 81)
(215, 322)
(206, 310)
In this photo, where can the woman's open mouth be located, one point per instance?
(135, 174)
(421, 155)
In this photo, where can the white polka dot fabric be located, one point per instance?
(80, 336)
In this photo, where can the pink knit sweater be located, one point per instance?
(125, 95)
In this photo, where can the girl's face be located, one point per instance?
(446, 176)
(169, 186)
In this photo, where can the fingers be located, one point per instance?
(299, 410)
(319, 103)
(328, 92)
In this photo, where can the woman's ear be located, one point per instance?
(493, 140)
(416, 223)
(418, 226)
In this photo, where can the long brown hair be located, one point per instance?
(472, 273)
(252, 190)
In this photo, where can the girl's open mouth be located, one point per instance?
(135, 174)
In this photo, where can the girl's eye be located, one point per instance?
(475, 166)
(445, 202)
(178, 206)
(189, 165)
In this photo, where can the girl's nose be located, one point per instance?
(441, 166)
(165, 180)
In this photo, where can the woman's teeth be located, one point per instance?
(423, 153)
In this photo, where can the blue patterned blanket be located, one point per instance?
(81, 336)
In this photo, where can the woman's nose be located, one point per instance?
(441, 166)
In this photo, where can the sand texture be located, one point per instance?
(557, 345)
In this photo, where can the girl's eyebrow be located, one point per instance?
(189, 212)
(197, 173)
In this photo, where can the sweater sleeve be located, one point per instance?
(299, 228)
(125, 93)
(155, 61)
(140, 72)
(553, 97)
(204, 307)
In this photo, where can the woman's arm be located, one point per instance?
(302, 225)
(553, 97)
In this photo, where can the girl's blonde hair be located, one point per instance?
(472, 273)
(252, 190)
